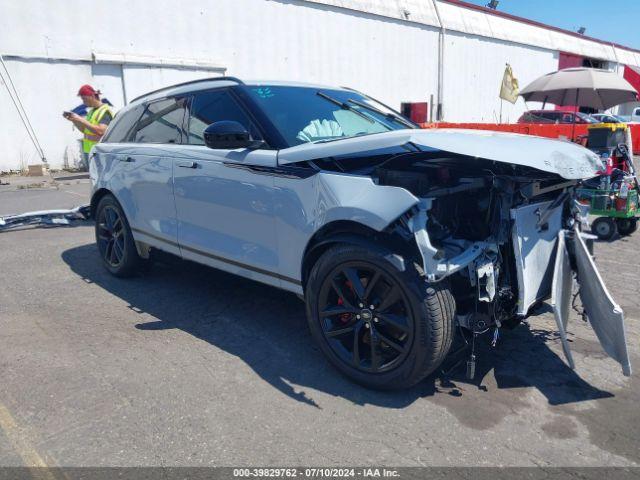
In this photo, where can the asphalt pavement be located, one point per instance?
(189, 366)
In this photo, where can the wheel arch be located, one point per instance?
(95, 199)
(350, 232)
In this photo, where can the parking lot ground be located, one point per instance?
(185, 365)
(22, 194)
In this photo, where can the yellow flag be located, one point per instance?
(509, 90)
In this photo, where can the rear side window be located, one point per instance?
(536, 116)
(162, 122)
(123, 125)
(214, 106)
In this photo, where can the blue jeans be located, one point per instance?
(84, 162)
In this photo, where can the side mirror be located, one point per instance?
(229, 135)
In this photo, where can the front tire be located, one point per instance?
(382, 328)
(115, 240)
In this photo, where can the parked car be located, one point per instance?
(634, 117)
(556, 116)
(395, 237)
(608, 118)
(628, 118)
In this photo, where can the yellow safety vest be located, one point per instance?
(93, 117)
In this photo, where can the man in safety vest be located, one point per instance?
(93, 126)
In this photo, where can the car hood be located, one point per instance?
(569, 160)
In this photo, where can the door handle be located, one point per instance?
(188, 165)
(128, 160)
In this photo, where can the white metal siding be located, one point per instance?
(473, 72)
(387, 48)
(46, 89)
(384, 57)
(474, 22)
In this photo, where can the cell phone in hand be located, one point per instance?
(66, 113)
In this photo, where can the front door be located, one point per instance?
(224, 198)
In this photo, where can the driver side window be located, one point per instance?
(214, 106)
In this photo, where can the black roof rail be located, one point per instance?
(231, 79)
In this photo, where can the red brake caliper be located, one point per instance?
(345, 317)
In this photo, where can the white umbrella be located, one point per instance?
(583, 87)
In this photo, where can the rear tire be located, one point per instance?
(626, 226)
(395, 344)
(605, 228)
(115, 240)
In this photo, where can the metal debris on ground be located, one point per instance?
(45, 217)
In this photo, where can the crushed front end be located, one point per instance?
(505, 238)
(494, 217)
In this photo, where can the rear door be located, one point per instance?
(106, 165)
(224, 198)
(147, 193)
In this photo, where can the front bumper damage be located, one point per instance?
(549, 261)
(45, 217)
(436, 265)
(604, 314)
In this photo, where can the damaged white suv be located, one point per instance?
(394, 235)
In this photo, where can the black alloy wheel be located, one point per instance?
(114, 239)
(365, 317)
(379, 323)
(110, 236)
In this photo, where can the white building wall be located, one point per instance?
(473, 70)
(480, 22)
(286, 40)
(46, 89)
(386, 48)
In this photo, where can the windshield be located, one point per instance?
(586, 118)
(306, 114)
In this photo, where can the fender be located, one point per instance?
(318, 248)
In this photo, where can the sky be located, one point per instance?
(612, 20)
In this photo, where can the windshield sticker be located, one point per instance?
(263, 92)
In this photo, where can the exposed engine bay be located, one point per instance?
(470, 224)
(475, 221)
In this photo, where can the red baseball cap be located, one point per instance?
(87, 91)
